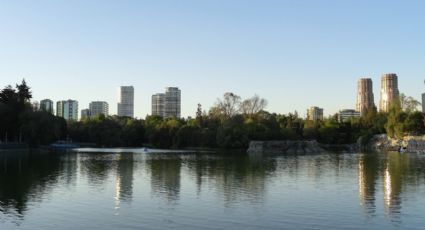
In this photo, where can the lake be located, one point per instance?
(131, 189)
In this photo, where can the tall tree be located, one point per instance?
(229, 106)
(408, 104)
(253, 105)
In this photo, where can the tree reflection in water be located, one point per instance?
(25, 177)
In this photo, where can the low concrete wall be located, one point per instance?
(284, 147)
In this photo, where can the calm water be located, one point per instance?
(135, 190)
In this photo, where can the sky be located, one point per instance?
(295, 54)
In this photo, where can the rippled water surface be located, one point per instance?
(130, 189)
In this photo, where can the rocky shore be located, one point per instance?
(284, 147)
(412, 144)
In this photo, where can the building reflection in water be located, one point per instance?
(368, 176)
(69, 167)
(395, 170)
(124, 179)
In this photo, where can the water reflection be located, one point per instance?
(25, 177)
(235, 177)
(124, 179)
(165, 175)
(368, 176)
(96, 168)
(385, 181)
(395, 170)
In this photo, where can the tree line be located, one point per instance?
(20, 123)
(231, 123)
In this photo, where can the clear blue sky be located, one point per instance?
(294, 53)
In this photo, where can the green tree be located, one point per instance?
(395, 126)
(408, 104)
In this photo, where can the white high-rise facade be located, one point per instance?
(172, 102)
(314, 113)
(158, 104)
(126, 101)
(168, 104)
(67, 110)
(97, 108)
(423, 103)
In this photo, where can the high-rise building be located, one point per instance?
(46, 105)
(126, 101)
(158, 104)
(347, 114)
(67, 109)
(85, 113)
(365, 97)
(423, 103)
(97, 108)
(167, 104)
(172, 102)
(389, 91)
(314, 114)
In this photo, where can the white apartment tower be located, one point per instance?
(126, 101)
(97, 108)
(423, 103)
(315, 114)
(67, 110)
(158, 104)
(167, 104)
(172, 102)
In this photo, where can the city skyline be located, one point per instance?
(158, 101)
(306, 115)
(281, 51)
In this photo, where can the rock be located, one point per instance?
(413, 144)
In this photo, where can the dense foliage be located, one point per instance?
(233, 122)
(20, 123)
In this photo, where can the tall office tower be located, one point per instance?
(423, 103)
(98, 107)
(365, 97)
(126, 101)
(389, 91)
(158, 104)
(46, 105)
(314, 114)
(67, 109)
(172, 102)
